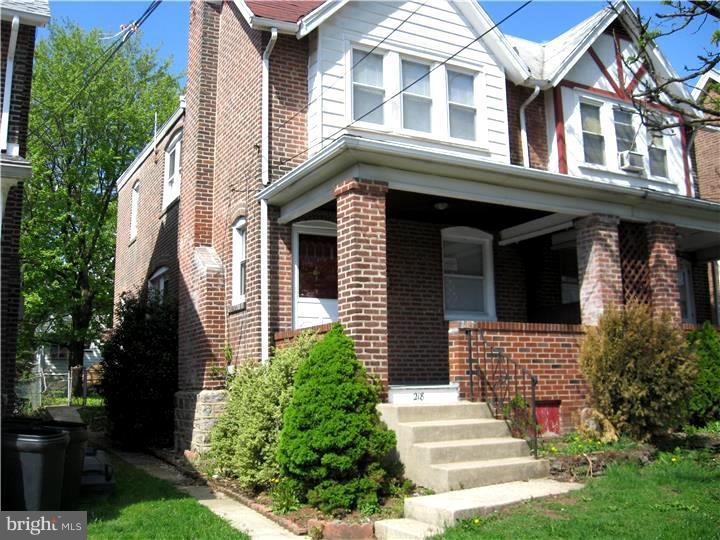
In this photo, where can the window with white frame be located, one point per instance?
(368, 87)
(157, 284)
(171, 187)
(468, 283)
(416, 100)
(134, 209)
(625, 133)
(657, 154)
(462, 112)
(593, 140)
(239, 235)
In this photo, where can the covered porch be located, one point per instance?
(522, 257)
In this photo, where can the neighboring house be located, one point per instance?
(512, 192)
(17, 36)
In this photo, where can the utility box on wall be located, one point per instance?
(548, 416)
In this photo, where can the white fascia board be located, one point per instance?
(536, 227)
(703, 82)
(263, 23)
(12, 172)
(318, 16)
(448, 173)
(30, 19)
(147, 150)
(515, 68)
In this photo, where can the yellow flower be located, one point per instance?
(553, 449)
(673, 459)
(476, 521)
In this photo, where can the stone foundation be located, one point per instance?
(195, 415)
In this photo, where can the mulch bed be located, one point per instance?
(577, 468)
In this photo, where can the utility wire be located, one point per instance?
(331, 138)
(352, 69)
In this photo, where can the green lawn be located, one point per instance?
(677, 497)
(146, 508)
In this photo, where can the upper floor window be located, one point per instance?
(134, 209)
(461, 105)
(239, 233)
(171, 187)
(657, 153)
(368, 87)
(593, 140)
(468, 282)
(624, 130)
(416, 100)
(157, 284)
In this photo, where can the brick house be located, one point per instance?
(17, 36)
(343, 161)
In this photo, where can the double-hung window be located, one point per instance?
(416, 100)
(171, 188)
(461, 105)
(593, 140)
(368, 87)
(157, 284)
(657, 153)
(134, 209)
(624, 130)
(468, 274)
(239, 235)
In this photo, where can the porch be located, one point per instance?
(416, 264)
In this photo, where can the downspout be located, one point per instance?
(523, 126)
(4, 123)
(265, 176)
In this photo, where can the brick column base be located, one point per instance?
(662, 261)
(362, 271)
(599, 273)
(195, 415)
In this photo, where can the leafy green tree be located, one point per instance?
(86, 126)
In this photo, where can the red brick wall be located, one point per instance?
(707, 163)
(155, 244)
(548, 351)
(362, 270)
(10, 291)
(22, 81)
(417, 332)
(535, 123)
(662, 262)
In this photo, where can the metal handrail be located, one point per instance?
(507, 387)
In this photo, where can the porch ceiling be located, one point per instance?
(458, 175)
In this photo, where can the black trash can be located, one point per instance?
(74, 459)
(33, 463)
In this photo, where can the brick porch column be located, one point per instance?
(598, 254)
(662, 261)
(362, 270)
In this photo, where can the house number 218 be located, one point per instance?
(418, 396)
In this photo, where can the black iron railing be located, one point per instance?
(507, 387)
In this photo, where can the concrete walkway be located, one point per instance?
(237, 514)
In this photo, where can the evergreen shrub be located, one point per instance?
(640, 370)
(140, 374)
(243, 443)
(333, 446)
(705, 401)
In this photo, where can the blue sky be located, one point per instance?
(167, 28)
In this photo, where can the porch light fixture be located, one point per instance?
(441, 206)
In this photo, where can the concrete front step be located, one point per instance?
(446, 509)
(433, 453)
(453, 430)
(404, 529)
(421, 413)
(470, 474)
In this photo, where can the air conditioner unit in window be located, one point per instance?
(631, 161)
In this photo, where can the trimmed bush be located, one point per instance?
(640, 370)
(705, 400)
(333, 447)
(140, 372)
(243, 444)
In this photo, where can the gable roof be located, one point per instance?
(287, 11)
(31, 12)
(712, 75)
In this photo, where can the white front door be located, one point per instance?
(314, 273)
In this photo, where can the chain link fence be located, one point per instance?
(43, 389)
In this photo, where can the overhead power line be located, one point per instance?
(331, 138)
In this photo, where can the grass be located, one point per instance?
(146, 508)
(678, 496)
(711, 427)
(574, 444)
